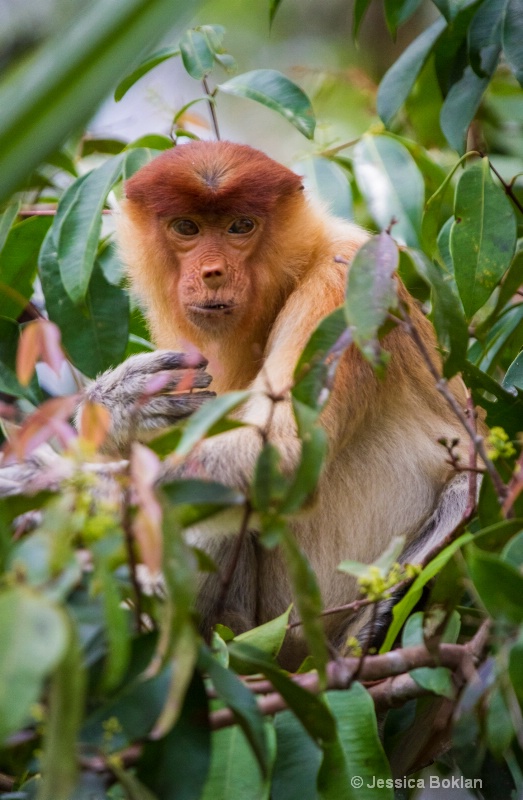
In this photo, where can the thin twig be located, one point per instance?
(212, 109)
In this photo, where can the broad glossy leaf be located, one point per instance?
(360, 9)
(313, 451)
(276, 91)
(437, 679)
(483, 236)
(513, 38)
(268, 638)
(460, 106)
(232, 691)
(401, 610)
(206, 417)
(297, 762)
(312, 712)
(391, 184)
(94, 335)
(66, 700)
(514, 375)
(498, 583)
(371, 293)
(197, 56)
(484, 37)
(150, 63)
(78, 225)
(396, 13)
(176, 766)
(447, 309)
(18, 260)
(312, 372)
(358, 735)
(328, 183)
(7, 219)
(307, 599)
(451, 8)
(234, 771)
(34, 635)
(269, 484)
(398, 81)
(432, 215)
(56, 89)
(507, 329)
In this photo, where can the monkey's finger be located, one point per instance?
(174, 407)
(189, 380)
(162, 361)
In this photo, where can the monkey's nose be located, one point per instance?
(213, 275)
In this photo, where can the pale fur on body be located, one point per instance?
(385, 471)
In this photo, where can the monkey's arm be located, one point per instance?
(137, 408)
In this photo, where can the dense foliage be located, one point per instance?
(106, 688)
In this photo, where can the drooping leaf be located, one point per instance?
(66, 708)
(358, 735)
(482, 237)
(232, 691)
(391, 184)
(312, 371)
(371, 293)
(7, 219)
(18, 259)
(276, 91)
(447, 309)
(117, 627)
(360, 9)
(150, 63)
(197, 56)
(398, 81)
(484, 37)
(33, 639)
(328, 183)
(498, 583)
(513, 38)
(273, 8)
(297, 762)
(206, 417)
(435, 679)
(57, 89)
(94, 335)
(233, 771)
(514, 374)
(396, 13)
(460, 106)
(268, 638)
(314, 446)
(269, 485)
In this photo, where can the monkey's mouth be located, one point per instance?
(212, 309)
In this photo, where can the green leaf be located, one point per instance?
(9, 338)
(431, 222)
(398, 81)
(241, 700)
(297, 762)
(360, 9)
(371, 293)
(498, 583)
(484, 37)
(78, 224)
(66, 707)
(447, 309)
(273, 8)
(7, 218)
(314, 447)
(436, 679)
(176, 766)
(269, 485)
(307, 599)
(117, 628)
(55, 90)
(197, 56)
(482, 237)
(268, 638)
(391, 184)
(401, 610)
(33, 639)
(312, 712)
(396, 13)
(276, 91)
(18, 261)
(328, 183)
(208, 415)
(460, 106)
(150, 63)
(233, 772)
(312, 372)
(363, 752)
(513, 38)
(95, 335)
(514, 374)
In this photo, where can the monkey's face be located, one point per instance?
(214, 257)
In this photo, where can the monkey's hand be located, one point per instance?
(148, 392)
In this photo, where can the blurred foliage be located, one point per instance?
(104, 687)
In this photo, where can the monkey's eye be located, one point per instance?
(242, 225)
(185, 227)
